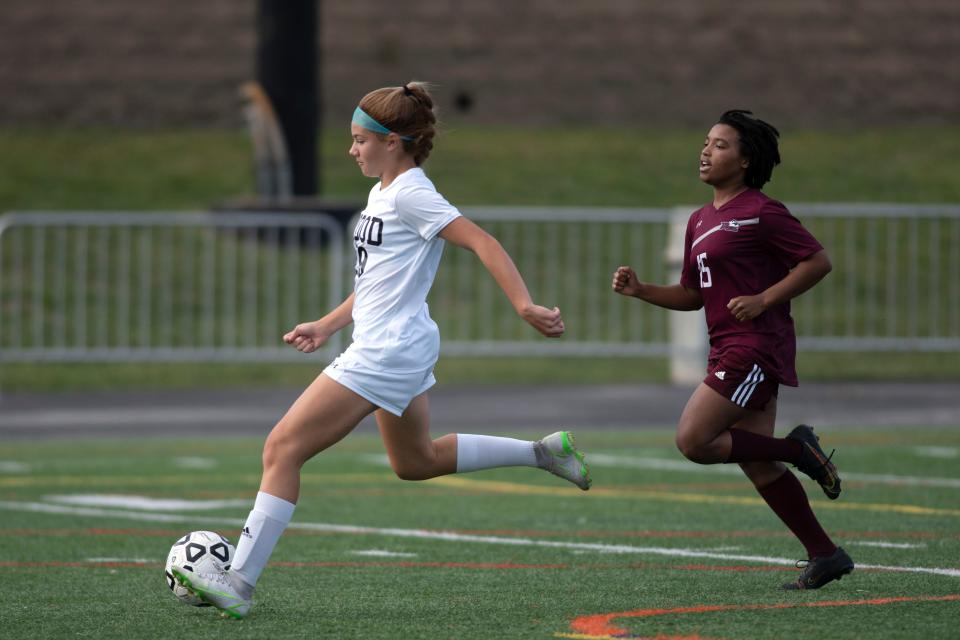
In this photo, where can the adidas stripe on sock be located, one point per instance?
(262, 530)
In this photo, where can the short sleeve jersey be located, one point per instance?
(398, 252)
(742, 248)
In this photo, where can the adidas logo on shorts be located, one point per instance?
(721, 374)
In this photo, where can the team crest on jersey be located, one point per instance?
(735, 225)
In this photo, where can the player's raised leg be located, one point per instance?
(707, 432)
(414, 455)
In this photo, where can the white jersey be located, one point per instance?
(398, 252)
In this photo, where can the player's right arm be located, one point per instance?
(674, 296)
(310, 336)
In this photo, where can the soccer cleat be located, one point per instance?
(814, 462)
(217, 589)
(819, 571)
(558, 454)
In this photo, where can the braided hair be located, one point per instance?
(758, 144)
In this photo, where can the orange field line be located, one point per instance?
(599, 625)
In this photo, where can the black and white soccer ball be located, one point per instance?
(197, 552)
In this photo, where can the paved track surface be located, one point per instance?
(493, 409)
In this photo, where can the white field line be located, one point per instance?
(144, 502)
(887, 545)
(12, 466)
(660, 464)
(448, 536)
(937, 452)
(131, 560)
(383, 553)
(194, 462)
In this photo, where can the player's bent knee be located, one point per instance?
(280, 451)
(413, 469)
(687, 446)
(695, 450)
(413, 474)
(271, 456)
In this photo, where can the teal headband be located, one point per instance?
(362, 119)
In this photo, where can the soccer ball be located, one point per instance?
(197, 552)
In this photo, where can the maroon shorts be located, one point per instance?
(736, 377)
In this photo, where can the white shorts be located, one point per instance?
(389, 390)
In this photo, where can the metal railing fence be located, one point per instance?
(163, 286)
(201, 286)
(895, 285)
(567, 257)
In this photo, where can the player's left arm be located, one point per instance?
(807, 273)
(465, 234)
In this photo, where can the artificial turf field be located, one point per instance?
(659, 548)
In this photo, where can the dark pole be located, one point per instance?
(287, 71)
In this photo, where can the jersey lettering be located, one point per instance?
(369, 230)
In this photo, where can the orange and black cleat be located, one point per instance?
(814, 462)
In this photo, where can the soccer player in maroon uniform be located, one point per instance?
(745, 258)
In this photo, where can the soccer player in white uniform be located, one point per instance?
(388, 368)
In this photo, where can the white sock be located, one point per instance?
(270, 516)
(486, 452)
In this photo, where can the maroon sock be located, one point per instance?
(747, 446)
(786, 497)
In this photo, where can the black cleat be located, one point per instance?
(819, 571)
(815, 463)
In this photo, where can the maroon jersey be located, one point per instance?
(742, 248)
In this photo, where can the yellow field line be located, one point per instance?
(481, 486)
(673, 496)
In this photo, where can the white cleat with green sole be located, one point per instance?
(558, 454)
(217, 589)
